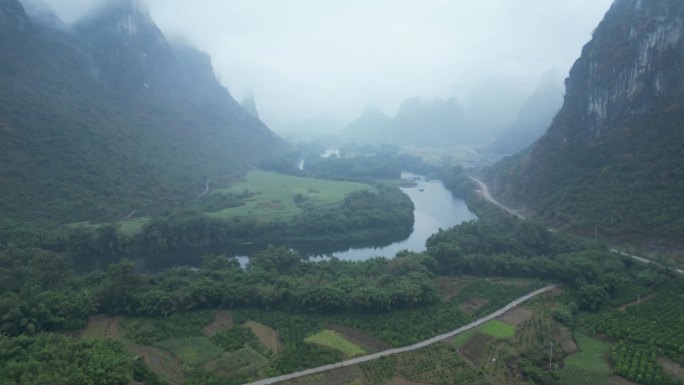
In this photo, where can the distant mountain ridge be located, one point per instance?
(612, 161)
(532, 120)
(107, 116)
(417, 122)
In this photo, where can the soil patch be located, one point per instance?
(516, 316)
(340, 376)
(475, 348)
(357, 337)
(223, 321)
(567, 343)
(473, 304)
(266, 335)
(449, 287)
(403, 381)
(672, 368)
(102, 326)
(113, 329)
(621, 381)
(162, 363)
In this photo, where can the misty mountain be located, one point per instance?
(371, 126)
(613, 158)
(532, 120)
(417, 122)
(107, 116)
(249, 104)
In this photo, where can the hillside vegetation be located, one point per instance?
(96, 122)
(613, 158)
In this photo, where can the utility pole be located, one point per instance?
(596, 233)
(638, 300)
(550, 356)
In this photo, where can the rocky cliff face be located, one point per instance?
(632, 66)
(617, 143)
(13, 19)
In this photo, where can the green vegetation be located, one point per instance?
(148, 331)
(405, 327)
(638, 363)
(278, 196)
(493, 328)
(297, 304)
(193, 351)
(589, 366)
(462, 338)
(239, 366)
(330, 339)
(646, 331)
(436, 364)
(627, 181)
(497, 329)
(502, 245)
(365, 215)
(592, 356)
(636, 324)
(77, 147)
(235, 339)
(361, 163)
(55, 359)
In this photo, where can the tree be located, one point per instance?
(118, 292)
(276, 260)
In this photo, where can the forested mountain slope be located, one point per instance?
(613, 158)
(105, 116)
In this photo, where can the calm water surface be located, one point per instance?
(435, 208)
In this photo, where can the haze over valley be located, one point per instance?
(304, 192)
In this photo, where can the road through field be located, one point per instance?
(405, 349)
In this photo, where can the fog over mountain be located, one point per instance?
(305, 58)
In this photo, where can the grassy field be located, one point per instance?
(193, 351)
(274, 199)
(493, 328)
(330, 339)
(497, 329)
(589, 366)
(275, 194)
(128, 227)
(133, 226)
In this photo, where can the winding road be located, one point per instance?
(420, 345)
(484, 191)
(206, 190)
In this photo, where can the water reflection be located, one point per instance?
(435, 208)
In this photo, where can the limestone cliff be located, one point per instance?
(613, 157)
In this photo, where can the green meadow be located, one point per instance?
(275, 194)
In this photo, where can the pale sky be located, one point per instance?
(305, 58)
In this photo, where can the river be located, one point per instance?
(435, 208)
